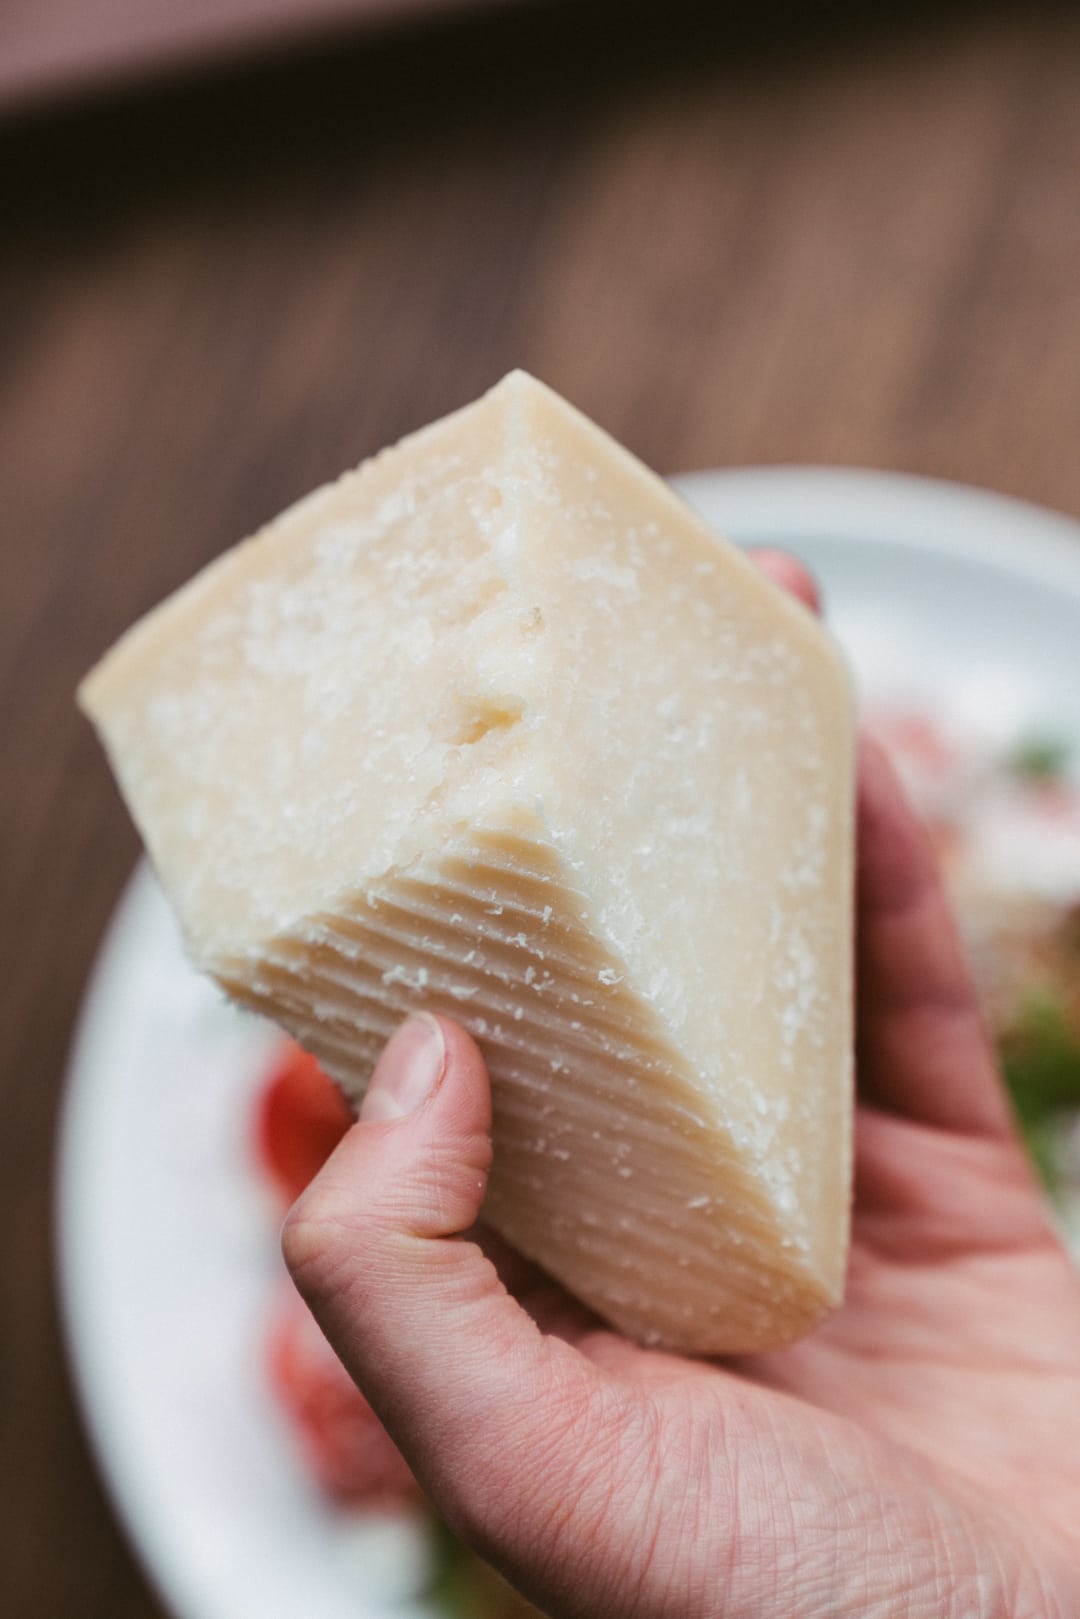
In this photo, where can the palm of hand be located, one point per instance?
(958, 1337)
(925, 1419)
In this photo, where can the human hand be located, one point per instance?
(915, 1456)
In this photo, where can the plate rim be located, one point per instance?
(878, 507)
(95, 1396)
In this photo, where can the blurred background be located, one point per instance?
(245, 244)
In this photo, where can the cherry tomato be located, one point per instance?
(300, 1118)
(347, 1449)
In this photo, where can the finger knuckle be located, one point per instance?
(311, 1242)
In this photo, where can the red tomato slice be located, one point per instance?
(300, 1118)
(347, 1449)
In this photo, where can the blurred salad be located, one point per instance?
(1005, 816)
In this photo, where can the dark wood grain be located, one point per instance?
(856, 243)
(54, 48)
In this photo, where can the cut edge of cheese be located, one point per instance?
(570, 1047)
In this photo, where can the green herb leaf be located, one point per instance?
(1040, 758)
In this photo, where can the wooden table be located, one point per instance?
(855, 243)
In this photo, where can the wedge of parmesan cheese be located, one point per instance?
(495, 727)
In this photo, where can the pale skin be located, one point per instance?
(918, 1456)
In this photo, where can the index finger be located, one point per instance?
(922, 1046)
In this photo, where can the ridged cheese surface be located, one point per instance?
(495, 727)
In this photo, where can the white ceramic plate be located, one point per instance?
(168, 1248)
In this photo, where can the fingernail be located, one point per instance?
(407, 1072)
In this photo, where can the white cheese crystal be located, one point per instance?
(494, 726)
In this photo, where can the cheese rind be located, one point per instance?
(495, 726)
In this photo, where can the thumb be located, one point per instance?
(456, 1369)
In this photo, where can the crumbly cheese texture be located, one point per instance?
(496, 727)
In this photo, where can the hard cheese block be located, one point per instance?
(494, 726)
